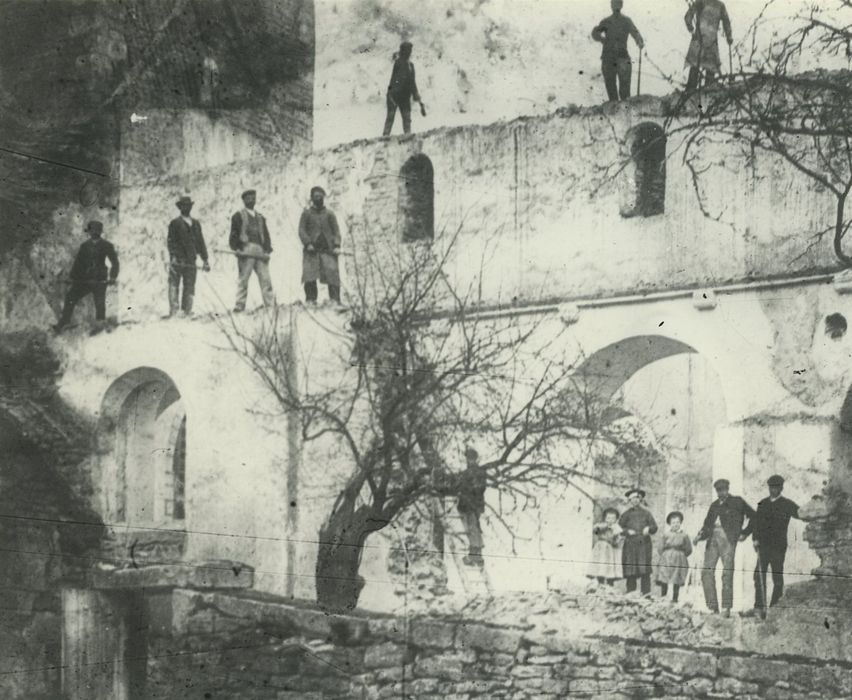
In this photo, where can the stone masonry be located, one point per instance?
(229, 645)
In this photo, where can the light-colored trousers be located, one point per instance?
(261, 269)
(719, 547)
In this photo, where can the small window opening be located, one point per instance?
(835, 326)
(648, 152)
(417, 199)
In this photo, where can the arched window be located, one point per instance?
(143, 437)
(647, 192)
(417, 199)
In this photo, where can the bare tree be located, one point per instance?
(426, 373)
(765, 106)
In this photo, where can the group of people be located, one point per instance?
(623, 547)
(702, 20)
(249, 241)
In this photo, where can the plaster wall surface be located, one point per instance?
(531, 224)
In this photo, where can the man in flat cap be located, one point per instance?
(185, 242)
(250, 240)
(768, 529)
(723, 528)
(638, 525)
(320, 236)
(89, 275)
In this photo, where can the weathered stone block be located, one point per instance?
(753, 669)
(490, 638)
(428, 633)
(529, 671)
(687, 663)
(444, 666)
(206, 575)
(385, 655)
(735, 686)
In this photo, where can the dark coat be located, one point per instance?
(613, 32)
(769, 524)
(318, 228)
(235, 240)
(90, 263)
(471, 490)
(637, 552)
(186, 242)
(403, 85)
(731, 514)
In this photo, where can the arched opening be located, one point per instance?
(417, 199)
(143, 444)
(665, 407)
(647, 191)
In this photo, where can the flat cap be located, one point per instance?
(721, 484)
(775, 480)
(95, 226)
(629, 493)
(247, 193)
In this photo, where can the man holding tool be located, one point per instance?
(320, 236)
(89, 276)
(702, 20)
(612, 32)
(401, 89)
(185, 242)
(250, 242)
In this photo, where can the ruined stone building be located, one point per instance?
(159, 519)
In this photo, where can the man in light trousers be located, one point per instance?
(250, 241)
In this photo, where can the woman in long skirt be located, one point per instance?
(606, 552)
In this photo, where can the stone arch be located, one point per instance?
(142, 447)
(417, 199)
(673, 394)
(646, 146)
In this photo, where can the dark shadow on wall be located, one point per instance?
(647, 145)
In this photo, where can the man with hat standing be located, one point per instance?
(723, 528)
(320, 236)
(638, 525)
(185, 242)
(89, 275)
(769, 534)
(250, 240)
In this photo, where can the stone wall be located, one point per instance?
(536, 203)
(613, 647)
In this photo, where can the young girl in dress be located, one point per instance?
(606, 553)
(673, 566)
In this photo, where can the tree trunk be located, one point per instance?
(342, 537)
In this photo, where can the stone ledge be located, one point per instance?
(206, 575)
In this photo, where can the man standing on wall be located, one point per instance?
(401, 89)
(769, 534)
(89, 275)
(320, 236)
(612, 32)
(250, 240)
(638, 525)
(471, 504)
(185, 242)
(723, 528)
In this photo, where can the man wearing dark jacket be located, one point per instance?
(320, 236)
(723, 528)
(612, 32)
(769, 533)
(401, 89)
(89, 275)
(250, 240)
(185, 242)
(471, 504)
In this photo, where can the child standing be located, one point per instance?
(673, 567)
(606, 553)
